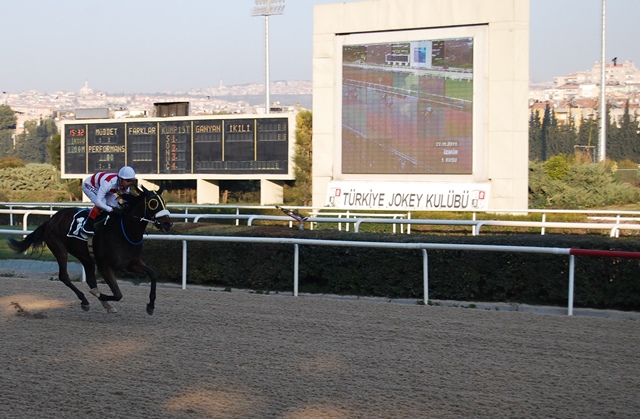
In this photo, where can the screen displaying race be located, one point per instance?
(407, 107)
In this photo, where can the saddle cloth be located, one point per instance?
(75, 229)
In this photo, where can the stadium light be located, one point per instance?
(602, 155)
(267, 8)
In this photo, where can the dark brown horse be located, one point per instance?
(116, 245)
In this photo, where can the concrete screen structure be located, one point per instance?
(421, 104)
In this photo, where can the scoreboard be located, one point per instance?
(245, 145)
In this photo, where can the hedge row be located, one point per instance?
(601, 282)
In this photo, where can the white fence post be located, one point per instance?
(572, 264)
(296, 265)
(425, 275)
(184, 264)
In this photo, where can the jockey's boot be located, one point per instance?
(87, 228)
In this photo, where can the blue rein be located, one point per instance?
(124, 233)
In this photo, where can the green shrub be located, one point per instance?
(9, 162)
(554, 184)
(36, 182)
(557, 167)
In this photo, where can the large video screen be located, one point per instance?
(407, 107)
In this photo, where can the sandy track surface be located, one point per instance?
(207, 354)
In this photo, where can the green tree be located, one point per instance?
(7, 126)
(588, 137)
(8, 118)
(566, 137)
(6, 143)
(611, 134)
(54, 150)
(627, 136)
(535, 133)
(31, 145)
(548, 133)
(300, 192)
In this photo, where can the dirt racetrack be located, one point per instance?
(210, 354)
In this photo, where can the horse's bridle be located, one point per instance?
(152, 205)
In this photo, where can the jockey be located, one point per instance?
(103, 189)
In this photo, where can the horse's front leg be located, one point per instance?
(110, 278)
(142, 268)
(152, 293)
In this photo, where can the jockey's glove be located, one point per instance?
(117, 210)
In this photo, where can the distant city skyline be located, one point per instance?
(162, 46)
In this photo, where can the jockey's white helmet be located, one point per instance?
(127, 172)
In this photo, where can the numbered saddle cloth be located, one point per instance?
(75, 229)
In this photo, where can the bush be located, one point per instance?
(36, 182)
(10, 162)
(559, 183)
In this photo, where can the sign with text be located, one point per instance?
(408, 196)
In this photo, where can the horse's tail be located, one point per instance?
(35, 240)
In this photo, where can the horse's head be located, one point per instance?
(155, 209)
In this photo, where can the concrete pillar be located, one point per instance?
(208, 191)
(271, 192)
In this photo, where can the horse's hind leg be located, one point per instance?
(62, 257)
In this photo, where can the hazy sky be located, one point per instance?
(165, 45)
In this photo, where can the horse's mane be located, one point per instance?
(129, 200)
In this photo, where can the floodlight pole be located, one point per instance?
(602, 155)
(267, 8)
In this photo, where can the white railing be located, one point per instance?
(595, 225)
(385, 245)
(314, 214)
(613, 229)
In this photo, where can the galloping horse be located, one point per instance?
(117, 243)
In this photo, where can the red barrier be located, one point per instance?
(605, 253)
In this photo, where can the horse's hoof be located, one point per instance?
(108, 307)
(149, 310)
(95, 292)
(85, 307)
